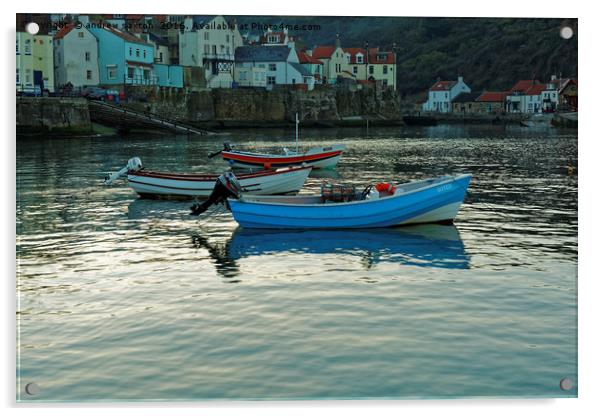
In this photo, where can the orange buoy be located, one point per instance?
(385, 187)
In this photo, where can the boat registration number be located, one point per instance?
(444, 188)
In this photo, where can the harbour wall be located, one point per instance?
(228, 108)
(53, 116)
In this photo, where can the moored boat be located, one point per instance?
(317, 157)
(153, 184)
(436, 200)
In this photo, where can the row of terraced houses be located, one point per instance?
(525, 96)
(185, 51)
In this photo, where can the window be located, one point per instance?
(228, 50)
(227, 38)
(385, 69)
(17, 46)
(294, 81)
(206, 48)
(112, 71)
(385, 82)
(359, 58)
(130, 51)
(131, 72)
(272, 67)
(137, 52)
(88, 74)
(206, 35)
(80, 34)
(144, 53)
(271, 80)
(243, 76)
(160, 56)
(214, 49)
(146, 73)
(371, 69)
(88, 56)
(28, 76)
(18, 78)
(28, 47)
(355, 69)
(273, 39)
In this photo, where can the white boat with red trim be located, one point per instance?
(317, 157)
(153, 184)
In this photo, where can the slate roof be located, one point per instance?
(302, 70)
(158, 39)
(466, 97)
(261, 53)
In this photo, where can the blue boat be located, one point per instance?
(434, 200)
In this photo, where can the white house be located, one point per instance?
(335, 61)
(526, 96)
(442, 93)
(75, 56)
(281, 65)
(210, 42)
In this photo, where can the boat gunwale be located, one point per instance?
(449, 179)
(334, 148)
(192, 177)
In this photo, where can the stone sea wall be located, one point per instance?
(258, 107)
(53, 116)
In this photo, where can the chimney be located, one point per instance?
(460, 79)
(337, 43)
(308, 52)
(553, 78)
(188, 23)
(84, 19)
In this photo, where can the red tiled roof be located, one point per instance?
(535, 89)
(442, 85)
(388, 59)
(64, 30)
(493, 96)
(523, 85)
(304, 58)
(323, 52)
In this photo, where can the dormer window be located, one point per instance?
(359, 58)
(273, 39)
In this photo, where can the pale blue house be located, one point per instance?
(123, 58)
(169, 75)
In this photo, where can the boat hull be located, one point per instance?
(317, 158)
(186, 186)
(432, 201)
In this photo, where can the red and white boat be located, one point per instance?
(152, 184)
(317, 157)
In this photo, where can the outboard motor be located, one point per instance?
(226, 186)
(227, 148)
(134, 165)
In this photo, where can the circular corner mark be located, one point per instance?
(32, 389)
(566, 384)
(32, 28)
(566, 32)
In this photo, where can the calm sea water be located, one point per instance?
(128, 299)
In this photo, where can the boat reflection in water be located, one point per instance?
(429, 245)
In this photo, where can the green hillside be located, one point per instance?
(490, 53)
